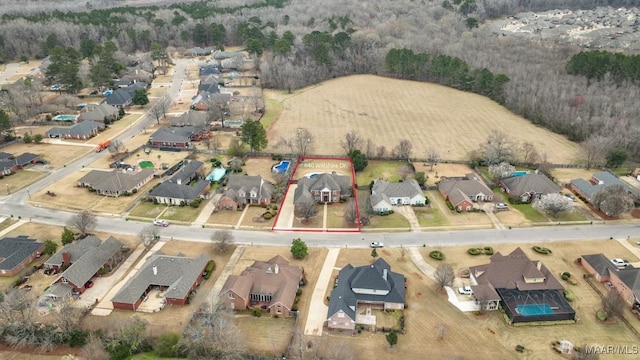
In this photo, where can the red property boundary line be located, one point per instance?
(354, 186)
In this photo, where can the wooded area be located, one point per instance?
(304, 42)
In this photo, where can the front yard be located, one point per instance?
(429, 216)
(19, 180)
(392, 221)
(185, 214)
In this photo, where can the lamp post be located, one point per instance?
(28, 194)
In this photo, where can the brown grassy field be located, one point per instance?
(56, 155)
(388, 110)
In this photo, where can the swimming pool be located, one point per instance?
(232, 123)
(282, 167)
(216, 174)
(534, 309)
(65, 117)
(520, 173)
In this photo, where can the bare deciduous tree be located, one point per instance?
(433, 157)
(148, 235)
(300, 144)
(159, 109)
(213, 335)
(94, 349)
(67, 317)
(529, 153)
(612, 199)
(83, 221)
(594, 149)
(403, 149)
(553, 204)
(351, 211)
(613, 304)
(370, 148)
(351, 141)
(115, 146)
(306, 209)
(406, 171)
(499, 147)
(381, 152)
(444, 275)
(223, 239)
(330, 349)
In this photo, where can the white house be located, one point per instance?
(384, 194)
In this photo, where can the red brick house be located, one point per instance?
(269, 285)
(242, 190)
(175, 276)
(323, 188)
(16, 253)
(463, 192)
(624, 280)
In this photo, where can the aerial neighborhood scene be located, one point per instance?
(319, 180)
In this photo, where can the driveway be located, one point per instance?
(410, 215)
(489, 209)
(317, 309)
(214, 295)
(286, 214)
(9, 70)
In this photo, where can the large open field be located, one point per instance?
(388, 110)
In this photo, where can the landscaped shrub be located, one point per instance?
(568, 295)
(565, 277)
(298, 292)
(474, 251)
(566, 273)
(195, 203)
(601, 315)
(256, 312)
(211, 265)
(541, 250)
(449, 205)
(267, 215)
(436, 254)
(488, 250)
(294, 307)
(519, 348)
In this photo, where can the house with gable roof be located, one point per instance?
(18, 252)
(526, 289)
(243, 189)
(175, 277)
(625, 280)
(196, 119)
(269, 285)
(173, 137)
(384, 194)
(81, 262)
(184, 187)
(586, 188)
(361, 289)
(117, 182)
(463, 192)
(82, 130)
(323, 188)
(100, 113)
(528, 187)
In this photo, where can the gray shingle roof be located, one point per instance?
(173, 134)
(190, 118)
(98, 113)
(6, 164)
(116, 180)
(175, 272)
(188, 172)
(76, 249)
(600, 263)
(607, 178)
(323, 181)
(120, 97)
(407, 188)
(26, 158)
(367, 277)
(91, 261)
(538, 183)
(84, 128)
(459, 190)
(14, 250)
(244, 183)
(172, 190)
(4, 155)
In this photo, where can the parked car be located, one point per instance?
(465, 290)
(620, 262)
(160, 222)
(376, 244)
(88, 284)
(501, 206)
(570, 196)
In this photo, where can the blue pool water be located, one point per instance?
(520, 173)
(233, 122)
(216, 174)
(65, 117)
(282, 167)
(534, 309)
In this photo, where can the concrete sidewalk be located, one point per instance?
(214, 295)
(410, 215)
(317, 309)
(206, 212)
(10, 228)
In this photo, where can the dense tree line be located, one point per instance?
(595, 65)
(446, 70)
(303, 42)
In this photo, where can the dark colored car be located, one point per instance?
(88, 284)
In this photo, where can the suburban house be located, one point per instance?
(100, 113)
(624, 280)
(209, 69)
(10, 164)
(184, 187)
(173, 137)
(323, 188)
(526, 290)
(117, 182)
(205, 100)
(198, 51)
(384, 194)
(242, 190)
(528, 187)
(463, 192)
(269, 285)
(82, 130)
(586, 188)
(209, 87)
(228, 59)
(190, 118)
(124, 82)
(18, 252)
(174, 277)
(26, 159)
(123, 97)
(359, 290)
(214, 78)
(80, 263)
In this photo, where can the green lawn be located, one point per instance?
(429, 216)
(529, 212)
(387, 170)
(182, 213)
(147, 209)
(393, 221)
(273, 110)
(572, 216)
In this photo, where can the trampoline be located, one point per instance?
(145, 164)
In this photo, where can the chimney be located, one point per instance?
(155, 270)
(277, 268)
(384, 274)
(66, 258)
(539, 265)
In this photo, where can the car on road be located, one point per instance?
(376, 244)
(88, 284)
(465, 290)
(620, 262)
(160, 222)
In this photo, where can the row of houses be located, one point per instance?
(9, 163)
